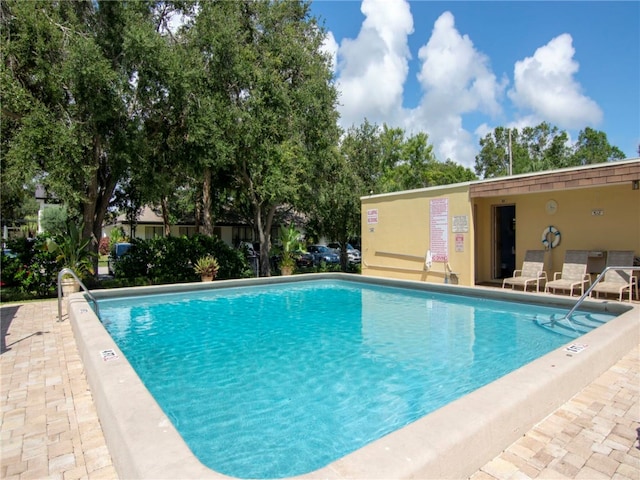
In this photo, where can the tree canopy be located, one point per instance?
(67, 99)
(543, 147)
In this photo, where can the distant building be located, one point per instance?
(232, 229)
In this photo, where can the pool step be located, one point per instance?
(579, 324)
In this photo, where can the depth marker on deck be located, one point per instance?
(109, 355)
(575, 347)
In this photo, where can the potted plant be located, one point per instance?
(73, 252)
(207, 267)
(290, 240)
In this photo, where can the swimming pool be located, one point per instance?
(378, 342)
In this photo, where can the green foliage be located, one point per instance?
(117, 235)
(70, 118)
(289, 243)
(10, 268)
(172, 259)
(540, 148)
(266, 105)
(207, 266)
(54, 220)
(34, 270)
(593, 147)
(72, 251)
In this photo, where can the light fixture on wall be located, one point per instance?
(635, 185)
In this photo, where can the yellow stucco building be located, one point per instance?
(478, 232)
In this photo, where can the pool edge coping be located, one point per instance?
(144, 444)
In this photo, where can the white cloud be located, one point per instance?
(373, 67)
(456, 79)
(544, 85)
(330, 47)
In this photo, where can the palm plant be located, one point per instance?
(72, 250)
(290, 240)
(207, 267)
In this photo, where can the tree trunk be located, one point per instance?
(344, 254)
(95, 206)
(263, 225)
(164, 203)
(207, 222)
(198, 214)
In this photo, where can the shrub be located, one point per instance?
(34, 270)
(136, 262)
(171, 259)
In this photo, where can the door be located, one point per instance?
(504, 233)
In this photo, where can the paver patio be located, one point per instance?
(50, 428)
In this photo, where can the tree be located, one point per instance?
(545, 147)
(593, 147)
(164, 66)
(67, 100)
(415, 165)
(352, 170)
(54, 220)
(268, 107)
(336, 209)
(539, 148)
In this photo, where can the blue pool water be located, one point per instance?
(275, 381)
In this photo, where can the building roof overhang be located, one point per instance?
(587, 176)
(597, 175)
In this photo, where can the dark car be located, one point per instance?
(352, 253)
(322, 253)
(118, 250)
(304, 259)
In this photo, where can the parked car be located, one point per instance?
(118, 250)
(304, 259)
(322, 253)
(352, 253)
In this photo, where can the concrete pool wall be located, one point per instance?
(452, 442)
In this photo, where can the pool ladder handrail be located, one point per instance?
(586, 294)
(68, 271)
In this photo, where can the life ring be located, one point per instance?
(556, 237)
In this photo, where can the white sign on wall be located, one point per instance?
(438, 229)
(460, 224)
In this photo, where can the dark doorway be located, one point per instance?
(505, 241)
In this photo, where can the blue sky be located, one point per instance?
(457, 70)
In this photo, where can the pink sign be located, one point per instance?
(372, 216)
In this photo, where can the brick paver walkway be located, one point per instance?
(50, 428)
(593, 436)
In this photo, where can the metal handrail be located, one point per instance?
(601, 276)
(65, 271)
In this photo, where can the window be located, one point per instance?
(152, 232)
(242, 234)
(186, 231)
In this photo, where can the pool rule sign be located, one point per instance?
(438, 229)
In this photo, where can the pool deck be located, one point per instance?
(50, 427)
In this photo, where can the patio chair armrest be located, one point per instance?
(557, 275)
(517, 273)
(542, 274)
